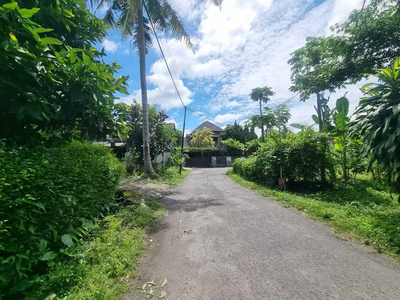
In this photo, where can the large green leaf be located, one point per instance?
(67, 240)
(12, 5)
(27, 13)
(50, 41)
(342, 105)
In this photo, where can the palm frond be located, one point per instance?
(128, 17)
(216, 2)
(155, 11)
(147, 35)
(174, 24)
(109, 17)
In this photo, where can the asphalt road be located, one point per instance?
(222, 241)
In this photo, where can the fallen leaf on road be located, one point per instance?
(163, 294)
(151, 282)
(150, 293)
(164, 283)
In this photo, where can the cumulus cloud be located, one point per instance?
(110, 46)
(242, 45)
(226, 118)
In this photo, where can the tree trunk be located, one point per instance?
(319, 108)
(148, 168)
(320, 126)
(344, 164)
(262, 123)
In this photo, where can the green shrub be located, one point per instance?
(47, 196)
(300, 157)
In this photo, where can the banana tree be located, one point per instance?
(341, 131)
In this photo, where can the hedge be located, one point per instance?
(301, 157)
(47, 195)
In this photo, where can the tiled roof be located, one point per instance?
(209, 125)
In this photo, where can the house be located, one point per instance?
(206, 124)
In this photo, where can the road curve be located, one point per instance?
(223, 241)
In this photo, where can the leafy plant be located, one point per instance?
(134, 22)
(49, 196)
(163, 137)
(261, 95)
(53, 83)
(341, 131)
(239, 133)
(377, 124)
(202, 138)
(300, 157)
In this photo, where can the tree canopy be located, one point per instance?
(239, 133)
(53, 83)
(163, 136)
(369, 39)
(202, 138)
(377, 122)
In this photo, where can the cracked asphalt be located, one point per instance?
(223, 241)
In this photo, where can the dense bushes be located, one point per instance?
(48, 197)
(300, 157)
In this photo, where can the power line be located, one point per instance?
(203, 116)
(170, 73)
(162, 52)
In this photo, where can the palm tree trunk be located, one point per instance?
(262, 124)
(148, 168)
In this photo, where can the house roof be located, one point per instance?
(209, 125)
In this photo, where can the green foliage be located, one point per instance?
(131, 161)
(261, 94)
(201, 151)
(267, 120)
(282, 116)
(170, 175)
(236, 148)
(367, 40)
(233, 145)
(125, 16)
(48, 196)
(163, 137)
(239, 133)
(100, 264)
(53, 83)
(300, 157)
(377, 123)
(341, 131)
(362, 208)
(309, 75)
(202, 138)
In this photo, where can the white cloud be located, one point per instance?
(242, 45)
(226, 28)
(170, 120)
(229, 117)
(341, 11)
(110, 46)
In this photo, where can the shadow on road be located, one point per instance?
(189, 205)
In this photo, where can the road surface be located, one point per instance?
(223, 241)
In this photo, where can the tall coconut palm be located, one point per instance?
(262, 95)
(129, 17)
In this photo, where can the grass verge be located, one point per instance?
(363, 208)
(170, 176)
(100, 264)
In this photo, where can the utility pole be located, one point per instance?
(183, 139)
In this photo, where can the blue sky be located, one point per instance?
(240, 46)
